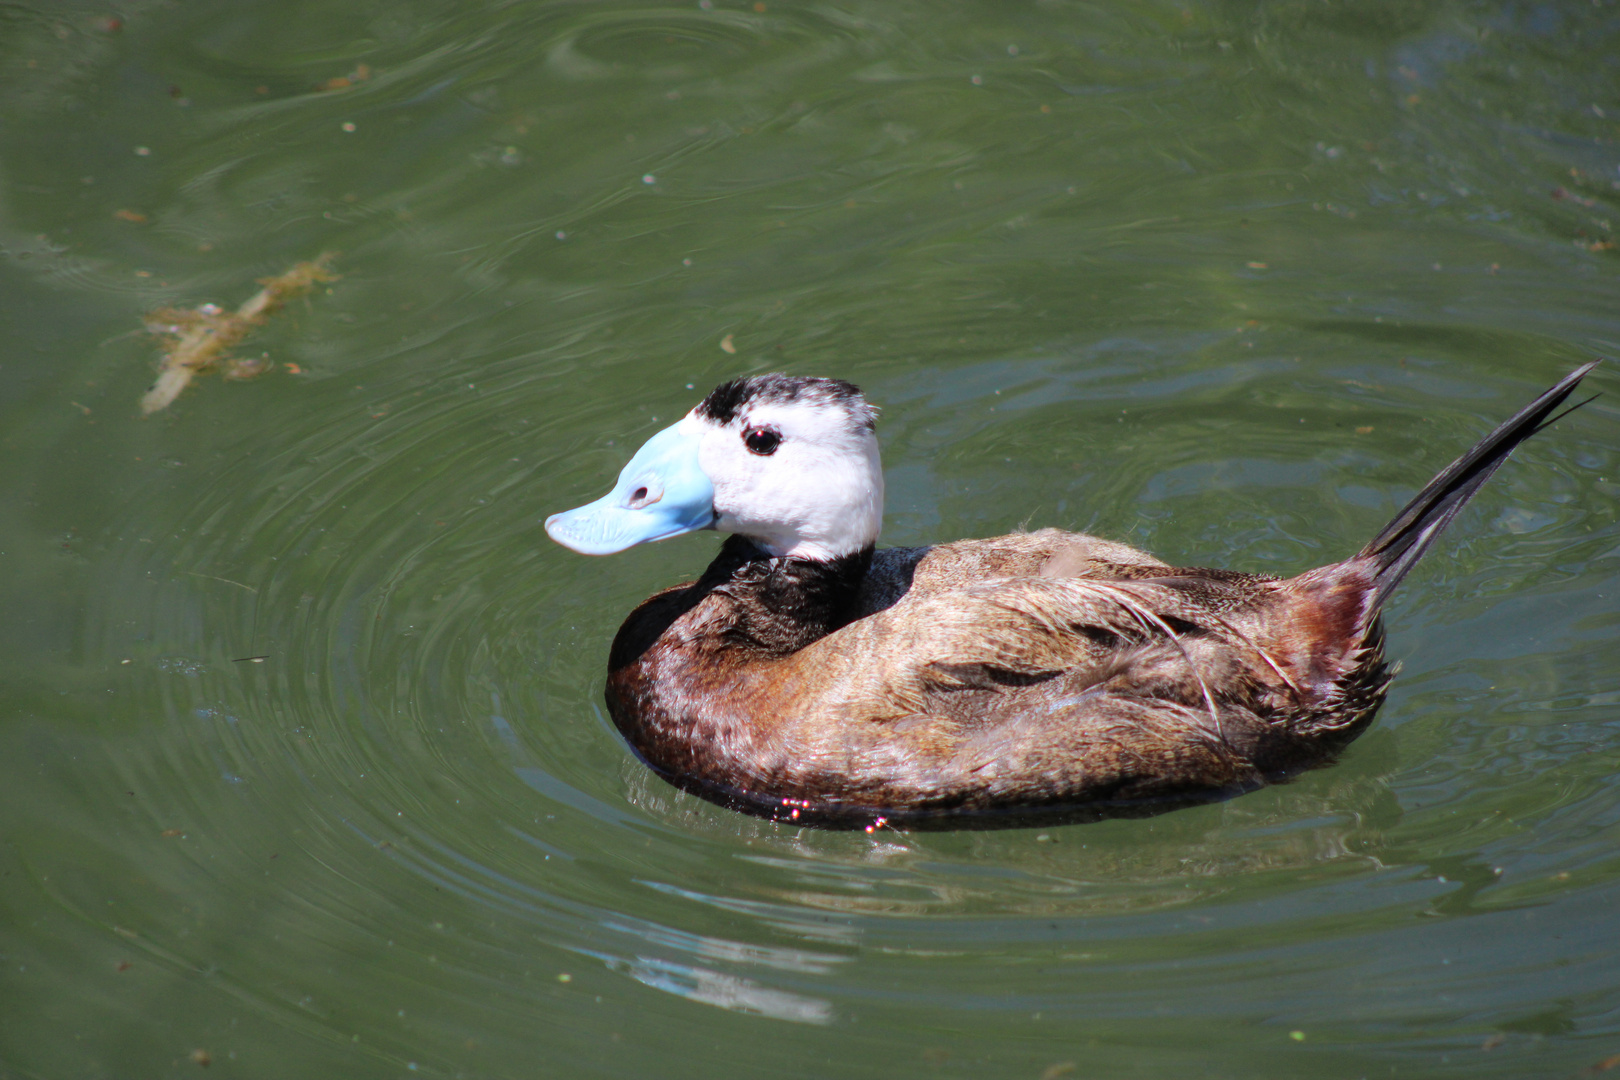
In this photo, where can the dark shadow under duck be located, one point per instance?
(809, 677)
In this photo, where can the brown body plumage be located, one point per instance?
(1037, 675)
(1045, 671)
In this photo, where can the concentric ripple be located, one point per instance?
(307, 770)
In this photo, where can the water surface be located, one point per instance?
(1227, 281)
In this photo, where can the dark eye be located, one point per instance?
(762, 440)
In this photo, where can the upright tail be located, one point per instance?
(1403, 541)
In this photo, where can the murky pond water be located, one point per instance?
(304, 769)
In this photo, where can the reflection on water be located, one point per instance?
(724, 991)
(1226, 282)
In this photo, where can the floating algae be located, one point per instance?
(196, 338)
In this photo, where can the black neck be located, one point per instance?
(783, 604)
(776, 605)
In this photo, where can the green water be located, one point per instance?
(1228, 281)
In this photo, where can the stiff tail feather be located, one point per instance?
(1396, 549)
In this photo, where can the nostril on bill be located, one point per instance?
(645, 495)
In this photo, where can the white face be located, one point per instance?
(817, 493)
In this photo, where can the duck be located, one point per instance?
(810, 677)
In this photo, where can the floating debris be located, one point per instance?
(248, 368)
(360, 74)
(1600, 1067)
(196, 337)
(1562, 193)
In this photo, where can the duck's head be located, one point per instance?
(789, 462)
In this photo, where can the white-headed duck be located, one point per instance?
(809, 677)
